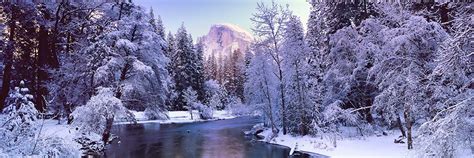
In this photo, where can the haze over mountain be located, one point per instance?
(223, 39)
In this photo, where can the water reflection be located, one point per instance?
(216, 139)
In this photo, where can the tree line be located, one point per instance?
(92, 64)
(367, 66)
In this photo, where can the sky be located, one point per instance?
(199, 15)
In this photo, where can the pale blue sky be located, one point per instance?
(199, 15)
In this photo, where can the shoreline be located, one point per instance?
(176, 117)
(359, 147)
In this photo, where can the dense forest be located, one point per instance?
(363, 67)
(406, 66)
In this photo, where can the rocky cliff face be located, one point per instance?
(223, 39)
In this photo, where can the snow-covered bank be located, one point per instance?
(61, 138)
(180, 117)
(367, 147)
(55, 139)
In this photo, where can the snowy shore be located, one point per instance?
(66, 133)
(180, 117)
(366, 147)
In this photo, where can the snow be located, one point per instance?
(51, 128)
(179, 117)
(236, 29)
(372, 146)
(125, 43)
(64, 133)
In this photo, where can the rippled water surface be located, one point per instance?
(213, 139)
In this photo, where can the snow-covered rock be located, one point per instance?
(256, 129)
(223, 39)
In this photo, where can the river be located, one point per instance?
(212, 139)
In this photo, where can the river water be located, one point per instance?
(212, 139)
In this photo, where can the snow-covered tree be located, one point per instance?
(170, 51)
(98, 115)
(215, 94)
(192, 103)
(269, 23)
(199, 73)
(317, 38)
(124, 53)
(453, 69)
(296, 52)
(129, 57)
(183, 69)
(401, 70)
(19, 127)
(157, 24)
(448, 132)
(261, 87)
(18, 51)
(188, 70)
(234, 74)
(211, 68)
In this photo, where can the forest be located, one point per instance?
(360, 67)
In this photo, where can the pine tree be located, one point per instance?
(296, 52)
(189, 70)
(199, 72)
(236, 74)
(19, 127)
(170, 52)
(22, 43)
(157, 24)
(248, 57)
(211, 68)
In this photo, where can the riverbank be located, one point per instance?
(180, 117)
(365, 147)
(64, 135)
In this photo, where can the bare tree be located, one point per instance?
(269, 23)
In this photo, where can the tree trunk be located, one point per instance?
(409, 126)
(368, 115)
(91, 91)
(118, 94)
(283, 108)
(108, 127)
(283, 101)
(53, 56)
(8, 66)
(400, 126)
(123, 76)
(304, 122)
(6, 83)
(267, 95)
(120, 12)
(43, 57)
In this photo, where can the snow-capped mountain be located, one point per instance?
(223, 39)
